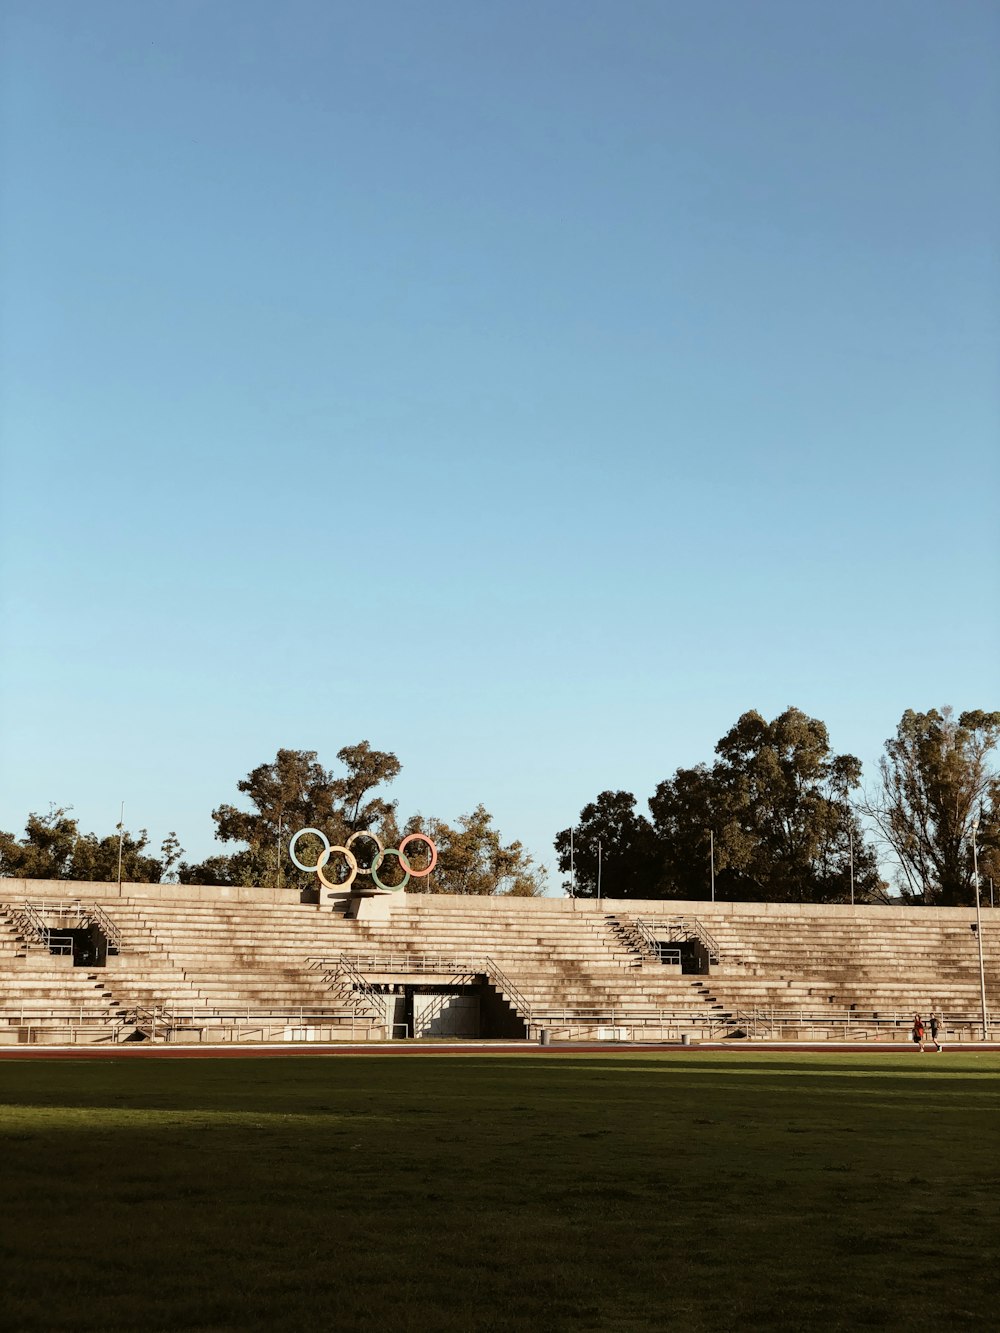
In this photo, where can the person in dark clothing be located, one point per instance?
(933, 1024)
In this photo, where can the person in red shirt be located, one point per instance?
(918, 1032)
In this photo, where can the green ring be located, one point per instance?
(389, 888)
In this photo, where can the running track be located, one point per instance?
(377, 1049)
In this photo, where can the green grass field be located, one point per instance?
(619, 1191)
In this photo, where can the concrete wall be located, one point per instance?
(59, 889)
(69, 889)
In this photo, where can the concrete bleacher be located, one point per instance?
(202, 963)
(869, 960)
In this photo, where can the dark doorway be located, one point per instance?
(88, 945)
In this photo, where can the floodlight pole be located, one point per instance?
(121, 839)
(277, 858)
(572, 867)
(598, 870)
(850, 837)
(979, 928)
(711, 853)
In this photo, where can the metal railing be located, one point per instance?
(690, 927)
(648, 935)
(404, 963)
(364, 998)
(29, 919)
(111, 932)
(635, 935)
(774, 1024)
(161, 1022)
(164, 1022)
(851, 1024)
(420, 964)
(503, 985)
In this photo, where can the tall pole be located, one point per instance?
(979, 928)
(711, 852)
(121, 839)
(598, 870)
(850, 837)
(572, 867)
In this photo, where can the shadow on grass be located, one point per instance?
(598, 1193)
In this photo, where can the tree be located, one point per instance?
(785, 818)
(366, 770)
(692, 816)
(54, 848)
(295, 791)
(628, 852)
(934, 779)
(472, 859)
(776, 803)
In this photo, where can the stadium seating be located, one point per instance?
(204, 964)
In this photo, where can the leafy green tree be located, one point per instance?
(785, 818)
(295, 791)
(366, 770)
(776, 802)
(54, 848)
(935, 777)
(472, 859)
(612, 836)
(45, 851)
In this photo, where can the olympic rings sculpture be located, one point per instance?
(352, 861)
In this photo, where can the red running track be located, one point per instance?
(376, 1049)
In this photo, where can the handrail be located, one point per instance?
(708, 940)
(356, 964)
(29, 921)
(361, 995)
(679, 927)
(842, 1024)
(112, 932)
(641, 934)
(398, 963)
(633, 935)
(646, 939)
(31, 916)
(503, 983)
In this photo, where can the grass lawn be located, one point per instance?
(618, 1191)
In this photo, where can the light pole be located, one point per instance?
(598, 870)
(277, 858)
(850, 839)
(121, 839)
(979, 927)
(572, 867)
(711, 854)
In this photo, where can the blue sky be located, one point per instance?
(527, 389)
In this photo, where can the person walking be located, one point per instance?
(933, 1024)
(918, 1032)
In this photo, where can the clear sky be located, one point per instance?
(527, 388)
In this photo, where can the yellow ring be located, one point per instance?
(352, 861)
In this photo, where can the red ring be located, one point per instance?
(418, 874)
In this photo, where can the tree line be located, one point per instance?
(779, 817)
(293, 791)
